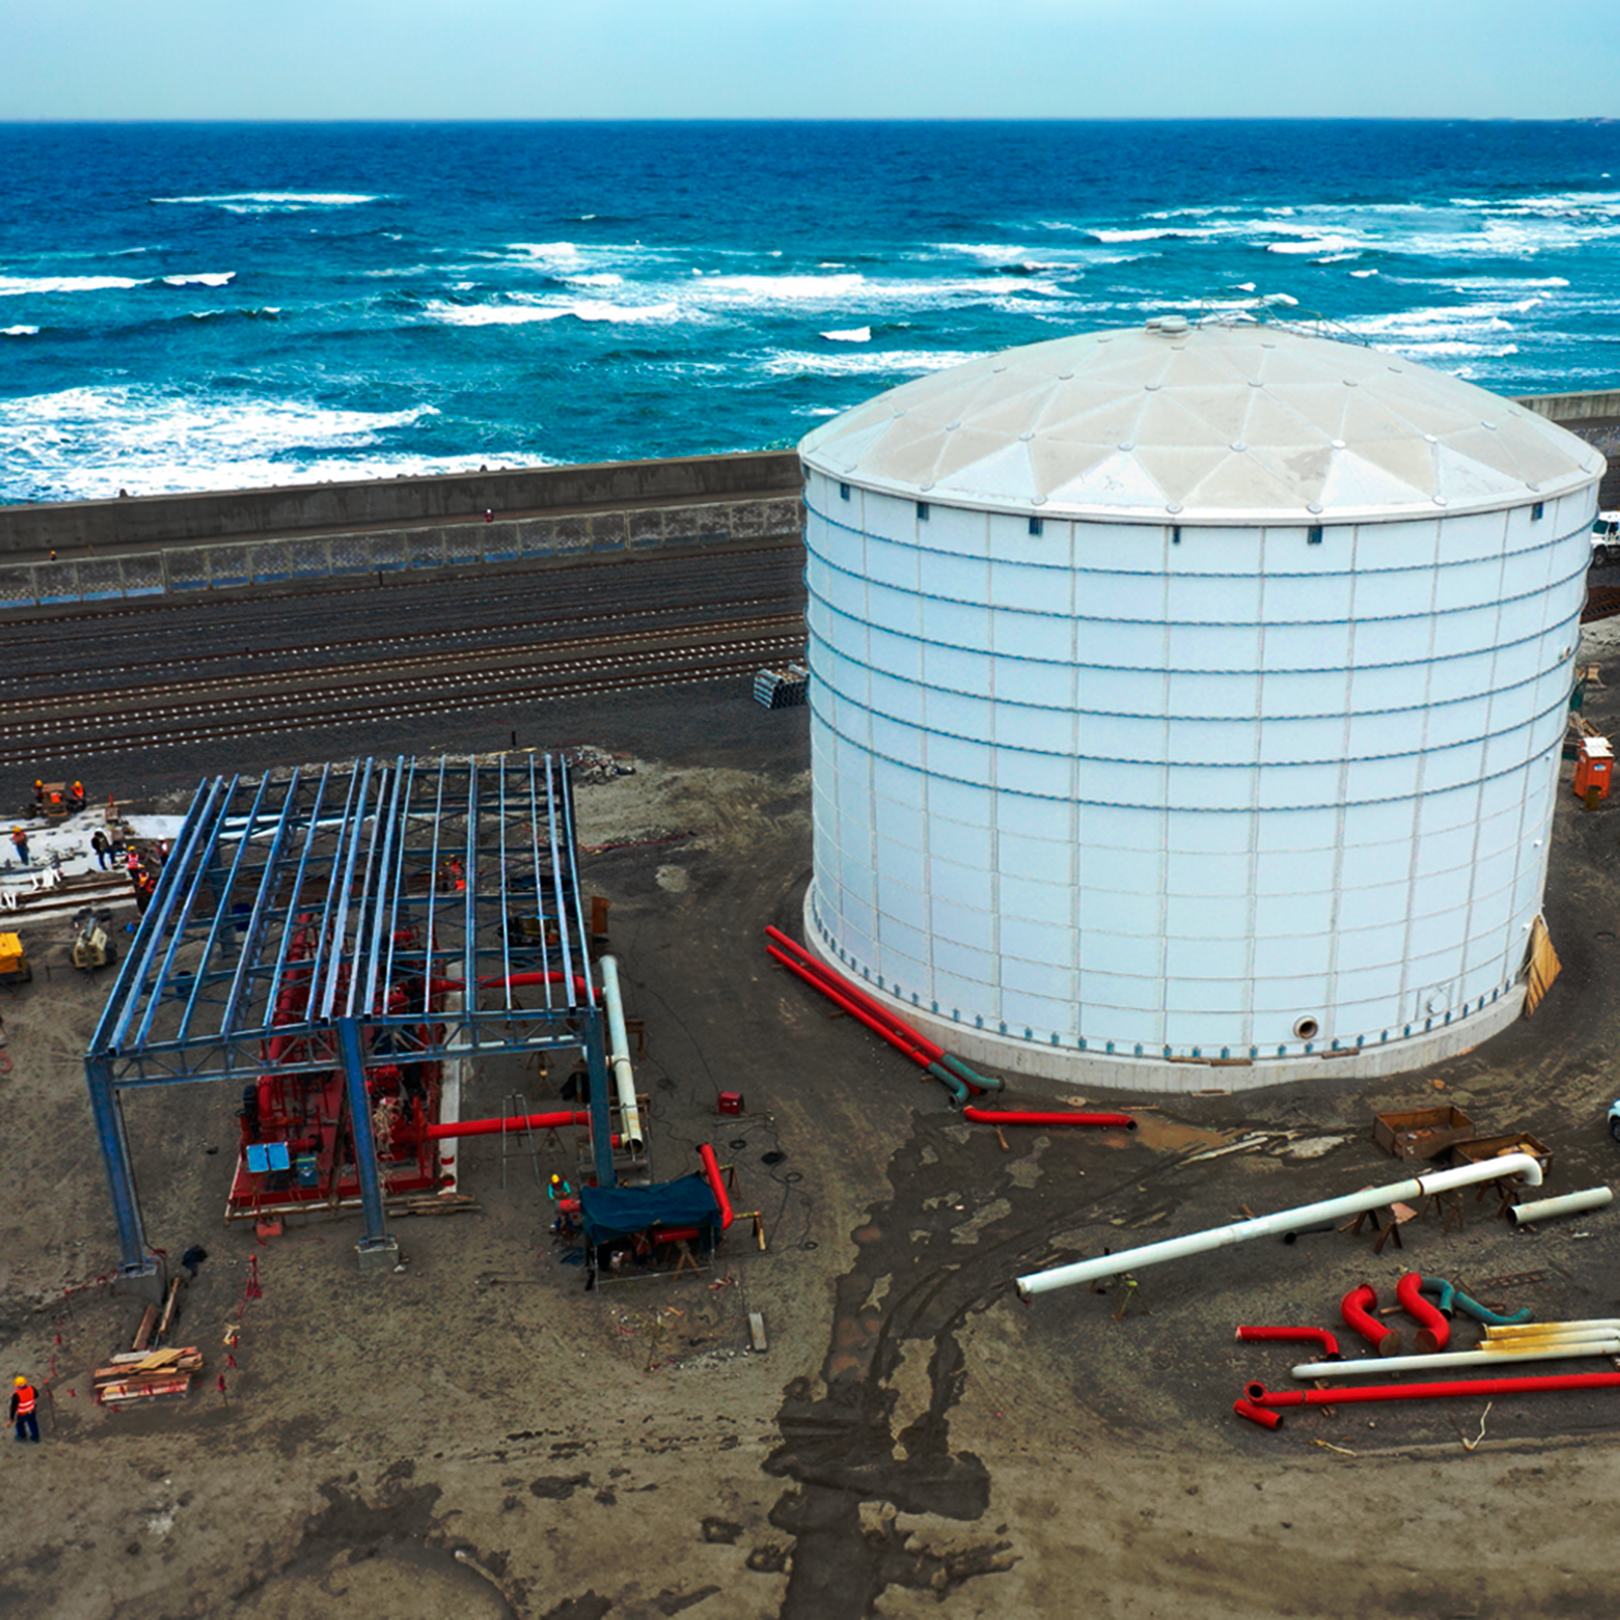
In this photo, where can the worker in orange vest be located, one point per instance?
(23, 1401)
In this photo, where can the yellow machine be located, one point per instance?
(91, 946)
(14, 968)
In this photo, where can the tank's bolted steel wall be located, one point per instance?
(1137, 793)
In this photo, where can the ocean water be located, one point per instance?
(203, 306)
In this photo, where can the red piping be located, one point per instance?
(913, 1050)
(519, 981)
(854, 992)
(1435, 1333)
(1263, 1415)
(993, 1116)
(711, 1168)
(1354, 1308)
(494, 1127)
(1296, 1335)
(1464, 1388)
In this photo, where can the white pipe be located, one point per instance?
(619, 1056)
(1289, 1220)
(1592, 1327)
(1603, 1345)
(1570, 1204)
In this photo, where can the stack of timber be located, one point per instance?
(143, 1372)
(134, 1376)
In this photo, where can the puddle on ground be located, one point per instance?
(1165, 1135)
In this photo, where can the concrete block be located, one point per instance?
(756, 1331)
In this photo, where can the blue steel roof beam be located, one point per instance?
(431, 930)
(380, 880)
(193, 848)
(127, 982)
(258, 914)
(320, 958)
(566, 877)
(531, 833)
(469, 918)
(357, 931)
(222, 913)
(350, 837)
(396, 878)
(545, 903)
(504, 932)
(289, 925)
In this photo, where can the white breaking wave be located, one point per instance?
(88, 443)
(523, 314)
(43, 286)
(269, 202)
(881, 362)
(20, 331)
(853, 334)
(786, 289)
(220, 278)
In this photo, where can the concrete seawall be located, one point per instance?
(391, 503)
(106, 550)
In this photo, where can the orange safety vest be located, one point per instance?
(26, 1399)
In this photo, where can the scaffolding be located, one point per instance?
(343, 941)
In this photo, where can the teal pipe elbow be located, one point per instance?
(979, 1082)
(958, 1090)
(1451, 1298)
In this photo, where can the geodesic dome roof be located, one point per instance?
(1217, 423)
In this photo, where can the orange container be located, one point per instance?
(1594, 766)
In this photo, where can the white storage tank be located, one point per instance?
(1187, 695)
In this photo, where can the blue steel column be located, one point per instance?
(601, 1122)
(365, 1147)
(109, 1118)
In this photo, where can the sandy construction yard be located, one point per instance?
(478, 1435)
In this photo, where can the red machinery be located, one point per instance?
(297, 1142)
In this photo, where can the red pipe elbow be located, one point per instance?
(1297, 1335)
(1435, 1331)
(1354, 1308)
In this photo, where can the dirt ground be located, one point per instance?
(476, 1435)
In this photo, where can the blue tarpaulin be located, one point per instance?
(609, 1213)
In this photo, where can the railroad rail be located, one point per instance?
(121, 680)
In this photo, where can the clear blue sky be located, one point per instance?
(406, 59)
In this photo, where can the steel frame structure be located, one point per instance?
(398, 879)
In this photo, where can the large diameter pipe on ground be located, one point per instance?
(1014, 1116)
(1332, 1209)
(1462, 1388)
(619, 1055)
(1545, 1209)
(1291, 1335)
(1434, 1332)
(711, 1169)
(951, 1071)
(854, 1009)
(515, 1122)
(1356, 1308)
(1486, 1355)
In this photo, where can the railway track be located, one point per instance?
(357, 703)
(131, 679)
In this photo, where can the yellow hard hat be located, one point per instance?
(19, 1380)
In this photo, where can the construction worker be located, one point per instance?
(101, 844)
(39, 792)
(19, 842)
(558, 1188)
(24, 1398)
(76, 800)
